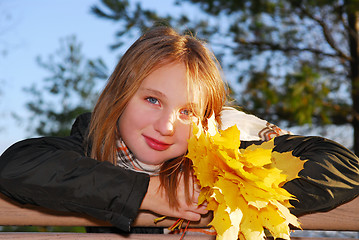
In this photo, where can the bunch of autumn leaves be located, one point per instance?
(243, 186)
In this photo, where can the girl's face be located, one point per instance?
(155, 124)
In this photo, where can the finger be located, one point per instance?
(202, 210)
(192, 216)
(196, 187)
(195, 197)
(196, 192)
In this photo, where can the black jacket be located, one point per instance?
(54, 172)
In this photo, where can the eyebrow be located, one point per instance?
(153, 91)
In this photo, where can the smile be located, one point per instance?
(156, 145)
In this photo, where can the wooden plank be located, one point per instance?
(16, 214)
(13, 213)
(100, 236)
(342, 218)
(317, 238)
(345, 217)
(112, 236)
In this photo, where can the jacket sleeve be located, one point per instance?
(54, 172)
(330, 176)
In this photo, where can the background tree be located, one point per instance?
(294, 60)
(70, 89)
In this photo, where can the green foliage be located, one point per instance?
(128, 17)
(71, 89)
(133, 20)
(288, 56)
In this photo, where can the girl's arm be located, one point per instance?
(54, 172)
(330, 176)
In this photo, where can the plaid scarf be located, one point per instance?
(127, 160)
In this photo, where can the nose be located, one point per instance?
(165, 124)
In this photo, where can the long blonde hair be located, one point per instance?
(156, 48)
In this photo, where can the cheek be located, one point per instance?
(183, 134)
(132, 117)
(129, 122)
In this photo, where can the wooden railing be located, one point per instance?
(343, 218)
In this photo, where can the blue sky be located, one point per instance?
(31, 28)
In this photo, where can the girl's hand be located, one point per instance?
(156, 201)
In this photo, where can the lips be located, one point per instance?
(156, 145)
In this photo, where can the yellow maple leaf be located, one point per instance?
(235, 217)
(257, 157)
(284, 161)
(221, 221)
(251, 226)
(243, 187)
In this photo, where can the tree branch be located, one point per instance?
(326, 33)
(277, 47)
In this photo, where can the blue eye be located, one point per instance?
(152, 100)
(185, 115)
(186, 112)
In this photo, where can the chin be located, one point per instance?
(157, 158)
(151, 161)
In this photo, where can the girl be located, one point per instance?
(128, 154)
